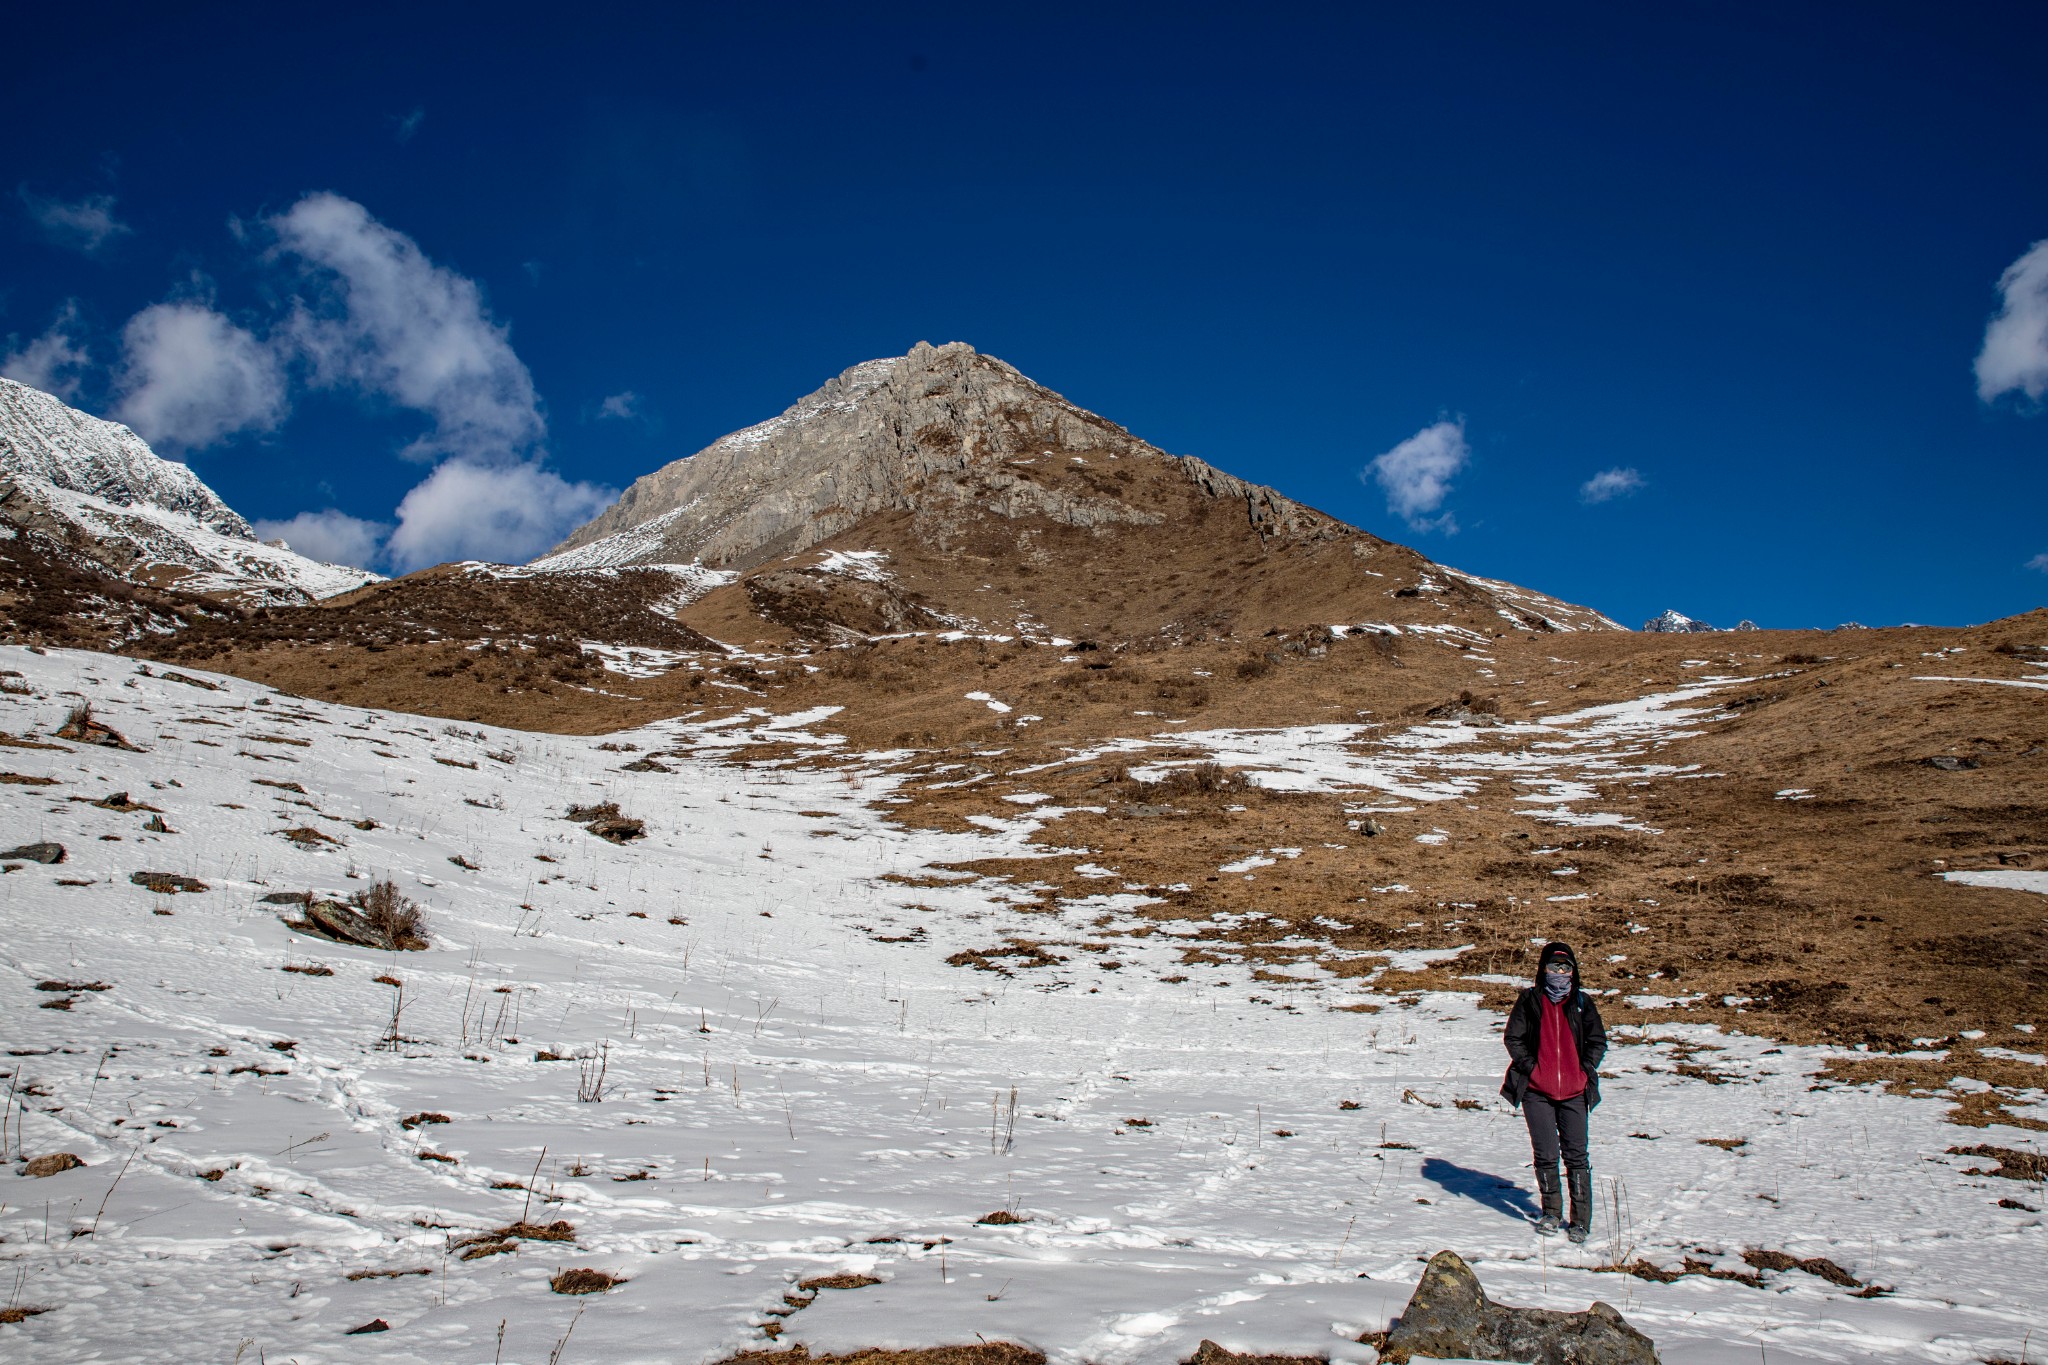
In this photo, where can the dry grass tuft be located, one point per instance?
(1209, 1353)
(584, 1281)
(982, 1353)
(843, 1280)
(1812, 1265)
(2013, 1164)
(386, 1274)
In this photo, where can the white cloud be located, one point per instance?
(622, 407)
(87, 225)
(507, 513)
(54, 362)
(385, 319)
(335, 537)
(1609, 484)
(190, 377)
(404, 128)
(2039, 563)
(1417, 473)
(2015, 353)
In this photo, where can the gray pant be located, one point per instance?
(1554, 1123)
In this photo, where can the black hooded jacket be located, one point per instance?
(1524, 1032)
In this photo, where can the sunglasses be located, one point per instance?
(1558, 968)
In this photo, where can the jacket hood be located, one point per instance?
(1553, 952)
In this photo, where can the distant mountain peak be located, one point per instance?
(1676, 623)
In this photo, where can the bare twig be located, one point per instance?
(110, 1193)
(527, 1207)
(555, 1356)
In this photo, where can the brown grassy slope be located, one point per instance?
(452, 642)
(1209, 568)
(1821, 918)
(53, 595)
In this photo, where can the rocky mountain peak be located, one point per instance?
(969, 493)
(939, 431)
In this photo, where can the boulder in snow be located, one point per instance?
(1449, 1317)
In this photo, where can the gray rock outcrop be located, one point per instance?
(1449, 1317)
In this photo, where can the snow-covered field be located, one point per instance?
(795, 1083)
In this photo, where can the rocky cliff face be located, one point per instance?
(97, 489)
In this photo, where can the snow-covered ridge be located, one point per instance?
(1561, 614)
(97, 485)
(633, 545)
(45, 439)
(692, 580)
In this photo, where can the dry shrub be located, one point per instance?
(1258, 666)
(1202, 779)
(393, 913)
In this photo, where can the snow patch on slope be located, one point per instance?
(806, 1085)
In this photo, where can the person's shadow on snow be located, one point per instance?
(1502, 1196)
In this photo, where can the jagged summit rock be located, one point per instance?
(968, 493)
(96, 489)
(1677, 623)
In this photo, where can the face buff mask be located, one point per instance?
(1557, 980)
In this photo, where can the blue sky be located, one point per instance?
(405, 268)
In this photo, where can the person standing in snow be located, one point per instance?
(1556, 1040)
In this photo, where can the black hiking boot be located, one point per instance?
(1581, 1225)
(1552, 1190)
